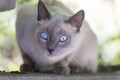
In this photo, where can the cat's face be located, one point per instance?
(57, 37)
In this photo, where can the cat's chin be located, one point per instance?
(52, 56)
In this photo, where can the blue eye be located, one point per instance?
(63, 38)
(44, 36)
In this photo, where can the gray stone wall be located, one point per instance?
(7, 5)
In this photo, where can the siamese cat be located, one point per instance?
(59, 45)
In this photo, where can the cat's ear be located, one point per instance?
(43, 13)
(77, 19)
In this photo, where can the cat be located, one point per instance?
(59, 45)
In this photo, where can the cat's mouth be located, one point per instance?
(51, 54)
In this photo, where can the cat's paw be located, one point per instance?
(62, 70)
(27, 68)
(76, 69)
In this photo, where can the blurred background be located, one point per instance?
(102, 15)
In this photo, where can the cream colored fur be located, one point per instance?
(82, 51)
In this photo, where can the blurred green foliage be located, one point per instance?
(10, 57)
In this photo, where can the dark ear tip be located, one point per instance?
(40, 2)
(82, 12)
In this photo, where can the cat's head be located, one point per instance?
(57, 37)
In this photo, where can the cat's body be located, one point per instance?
(51, 54)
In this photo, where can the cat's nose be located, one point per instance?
(50, 50)
(51, 46)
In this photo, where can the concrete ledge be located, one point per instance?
(38, 76)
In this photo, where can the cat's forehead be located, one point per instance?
(50, 23)
(56, 26)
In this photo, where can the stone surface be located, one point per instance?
(7, 5)
(37, 76)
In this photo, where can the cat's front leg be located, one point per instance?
(76, 69)
(28, 65)
(62, 67)
(27, 68)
